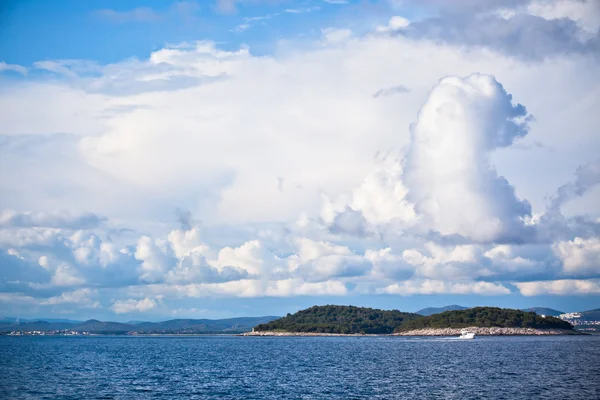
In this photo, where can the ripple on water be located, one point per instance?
(299, 368)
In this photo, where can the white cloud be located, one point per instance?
(79, 297)
(132, 305)
(448, 174)
(563, 287)
(54, 219)
(13, 67)
(395, 23)
(414, 195)
(156, 259)
(66, 275)
(429, 286)
(579, 256)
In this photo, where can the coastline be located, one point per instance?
(494, 331)
(288, 334)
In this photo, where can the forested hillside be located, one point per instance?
(340, 319)
(486, 317)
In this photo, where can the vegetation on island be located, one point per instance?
(436, 310)
(485, 317)
(340, 319)
(544, 311)
(359, 320)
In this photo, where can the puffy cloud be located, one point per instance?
(132, 305)
(251, 288)
(429, 286)
(448, 174)
(66, 275)
(447, 182)
(579, 256)
(563, 287)
(156, 259)
(215, 131)
(79, 297)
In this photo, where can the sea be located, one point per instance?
(234, 367)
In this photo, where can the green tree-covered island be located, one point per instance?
(350, 320)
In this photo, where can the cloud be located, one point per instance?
(79, 297)
(579, 256)
(563, 287)
(587, 176)
(395, 23)
(536, 32)
(445, 180)
(180, 9)
(428, 286)
(140, 14)
(226, 6)
(440, 208)
(391, 91)
(132, 305)
(55, 219)
(448, 174)
(13, 67)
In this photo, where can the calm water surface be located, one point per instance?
(217, 367)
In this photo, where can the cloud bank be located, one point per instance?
(203, 173)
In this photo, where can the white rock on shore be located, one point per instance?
(486, 332)
(434, 332)
(274, 333)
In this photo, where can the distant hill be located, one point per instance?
(230, 325)
(175, 326)
(543, 311)
(486, 317)
(96, 326)
(436, 310)
(591, 315)
(339, 319)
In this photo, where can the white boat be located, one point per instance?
(464, 334)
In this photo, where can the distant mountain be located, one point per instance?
(51, 320)
(591, 315)
(175, 326)
(436, 310)
(229, 325)
(544, 311)
(96, 326)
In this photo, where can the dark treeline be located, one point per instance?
(349, 319)
(339, 319)
(486, 317)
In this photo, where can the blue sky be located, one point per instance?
(253, 157)
(110, 31)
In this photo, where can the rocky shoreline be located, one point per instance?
(487, 332)
(433, 332)
(274, 333)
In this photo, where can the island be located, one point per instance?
(331, 320)
(485, 321)
(338, 320)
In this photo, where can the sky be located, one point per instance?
(221, 158)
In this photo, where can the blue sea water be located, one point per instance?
(219, 367)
